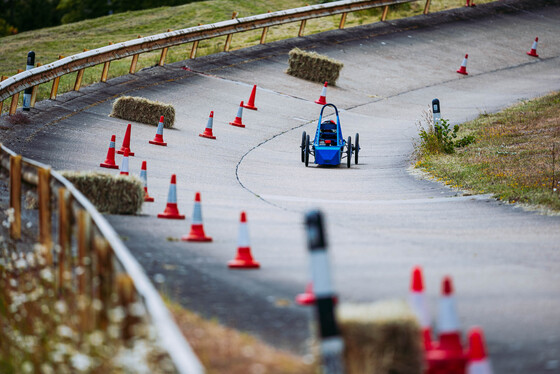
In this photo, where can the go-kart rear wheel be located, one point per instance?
(349, 151)
(303, 136)
(356, 148)
(306, 150)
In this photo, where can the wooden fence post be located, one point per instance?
(384, 15)
(127, 295)
(194, 48)
(64, 235)
(104, 275)
(427, 6)
(15, 196)
(45, 216)
(230, 36)
(84, 258)
(2, 78)
(105, 71)
(342, 20)
(132, 69)
(56, 82)
(79, 77)
(15, 100)
(163, 53)
(34, 92)
(302, 27)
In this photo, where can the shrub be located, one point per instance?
(436, 138)
(117, 194)
(139, 109)
(313, 66)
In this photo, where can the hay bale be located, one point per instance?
(115, 194)
(313, 66)
(139, 109)
(381, 338)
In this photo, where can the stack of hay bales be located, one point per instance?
(115, 194)
(313, 66)
(139, 109)
(380, 338)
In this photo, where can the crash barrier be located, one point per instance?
(29, 79)
(83, 236)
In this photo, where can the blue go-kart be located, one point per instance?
(329, 147)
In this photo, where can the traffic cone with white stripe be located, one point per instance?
(251, 103)
(110, 159)
(533, 51)
(244, 258)
(124, 165)
(144, 179)
(463, 68)
(158, 139)
(197, 233)
(323, 98)
(171, 210)
(478, 360)
(307, 297)
(418, 304)
(208, 130)
(238, 119)
(126, 142)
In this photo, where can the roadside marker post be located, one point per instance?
(436, 110)
(331, 343)
(28, 91)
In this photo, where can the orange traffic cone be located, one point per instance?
(308, 297)
(323, 98)
(110, 159)
(197, 229)
(478, 360)
(158, 139)
(238, 119)
(251, 103)
(418, 304)
(208, 130)
(126, 142)
(124, 165)
(463, 68)
(144, 179)
(171, 211)
(244, 259)
(533, 51)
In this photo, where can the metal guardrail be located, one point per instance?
(95, 239)
(12, 86)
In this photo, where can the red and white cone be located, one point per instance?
(238, 119)
(124, 165)
(126, 142)
(470, 3)
(208, 130)
(244, 258)
(419, 305)
(478, 359)
(144, 179)
(463, 68)
(197, 233)
(323, 98)
(110, 159)
(308, 297)
(158, 139)
(533, 51)
(251, 103)
(171, 210)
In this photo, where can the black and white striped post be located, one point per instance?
(331, 343)
(28, 91)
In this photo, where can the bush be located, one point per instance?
(436, 138)
(115, 194)
(139, 109)
(313, 66)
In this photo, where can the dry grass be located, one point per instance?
(313, 66)
(139, 109)
(224, 350)
(115, 194)
(516, 156)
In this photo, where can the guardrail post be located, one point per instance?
(127, 295)
(56, 81)
(26, 105)
(427, 6)
(264, 32)
(342, 20)
(103, 274)
(2, 78)
(230, 36)
(45, 217)
(34, 92)
(384, 15)
(15, 100)
(15, 196)
(84, 253)
(64, 235)
(79, 76)
(132, 69)
(105, 71)
(194, 48)
(302, 27)
(163, 54)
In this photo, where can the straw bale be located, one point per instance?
(139, 109)
(114, 194)
(313, 66)
(380, 338)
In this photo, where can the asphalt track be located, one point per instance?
(382, 218)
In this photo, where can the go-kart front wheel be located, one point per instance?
(303, 136)
(307, 150)
(356, 148)
(349, 151)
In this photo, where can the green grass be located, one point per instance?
(516, 156)
(72, 38)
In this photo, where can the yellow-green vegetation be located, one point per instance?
(313, 66)
(516, 155)
(73, 38)
(114, 194)
(139, 109)
(225, 350)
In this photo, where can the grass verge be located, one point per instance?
(516, 156)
